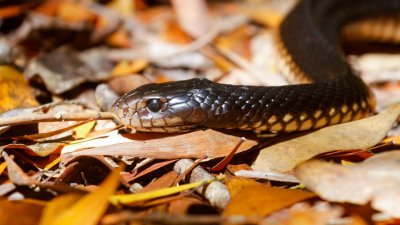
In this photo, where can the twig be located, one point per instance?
(216, 192)
(53, 117)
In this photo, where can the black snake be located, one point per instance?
(329, 91)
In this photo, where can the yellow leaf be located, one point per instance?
(14, 90)
(360, 134)
(346, 163)
(261, 200)
(123, 7)
(130, 198)
(395, 140)
(87, 210)
(53, 163)
(264, 16)
(3, 166)
(74, 12)
(83, 130)
(57, 207)
(125, 67)
(235, 184)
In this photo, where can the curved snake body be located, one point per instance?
(329, 91)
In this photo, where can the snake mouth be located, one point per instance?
(142, 120)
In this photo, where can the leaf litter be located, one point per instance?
(66, 61)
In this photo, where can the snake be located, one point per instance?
(325, 91)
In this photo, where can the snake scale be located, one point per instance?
(327, 92)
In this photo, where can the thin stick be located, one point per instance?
(53, 117)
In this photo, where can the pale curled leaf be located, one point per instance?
(358, 134)
(196, 144)
(376, 180)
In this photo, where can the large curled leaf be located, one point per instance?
(377, 180)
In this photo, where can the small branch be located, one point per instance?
(216, 192)
(53, 117)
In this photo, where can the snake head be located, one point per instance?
(164, 107)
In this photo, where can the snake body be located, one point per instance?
(329, 91)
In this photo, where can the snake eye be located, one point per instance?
(154, 104)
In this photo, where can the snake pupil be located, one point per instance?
(154, 105)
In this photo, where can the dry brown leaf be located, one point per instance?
(188, 205)
(196, 144)
(163, 182)
(262, 200)
(14, 90)
(16, 174)
(359, 134)
(131, 177)
(37, 149)
(57, 68)
(377, 179)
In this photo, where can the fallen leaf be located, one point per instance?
(72, 209)
(24, 212)
(129, 67)
(235, 184)
(52, 163)
(16, 174)
(37, 149)
(57, 68)
(3, 166)
(196, 144)
(123, 7)
(263, 15)
(163, 182)
(131, 177)
(74, 13)
(193, 16)
(321, 213)
(189, 205)
(14, 90)
(119, 39)
(358, 134)
(378, 67)
(262, 200)
(83, 130)
(14, 10)
(375, 180)
(131, 198)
